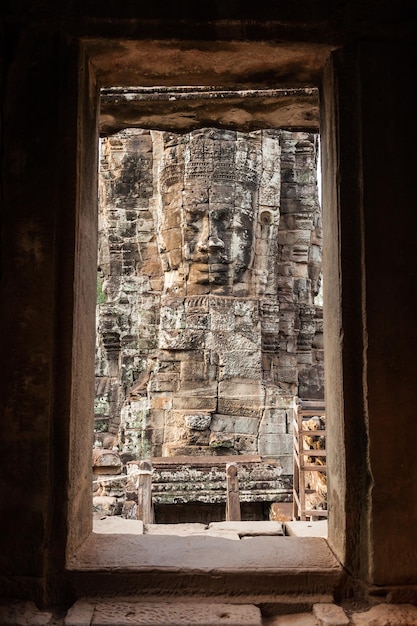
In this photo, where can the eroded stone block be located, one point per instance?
(209, 260)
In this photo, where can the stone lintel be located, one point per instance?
(253, 109)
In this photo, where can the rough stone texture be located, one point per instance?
(205, 565)
(209, 264)
(24, 614)
(274, 554)
(280, 108)
(333, 615)
(131, 613)
(386, 615)
(178, 480)
(330, 615)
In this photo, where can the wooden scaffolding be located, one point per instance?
(307, 459)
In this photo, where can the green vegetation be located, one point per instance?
(101, 297)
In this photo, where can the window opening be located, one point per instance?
(209, 317)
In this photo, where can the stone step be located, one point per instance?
(203, 565)
(87, 612)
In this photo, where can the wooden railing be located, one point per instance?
(305, 455)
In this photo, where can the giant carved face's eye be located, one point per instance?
(222, 216)
(194, 216)
(195, 212)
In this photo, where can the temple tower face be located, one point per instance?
(209, 184)
(210, 258)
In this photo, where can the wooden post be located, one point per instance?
(232, 494)
(145, 508)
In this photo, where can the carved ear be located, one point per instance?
(266, 217)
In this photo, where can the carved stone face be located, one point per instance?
(213, 246)
(207, 238)
(207, 226)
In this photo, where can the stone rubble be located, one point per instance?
(386, 615)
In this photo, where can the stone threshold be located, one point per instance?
(204, 565)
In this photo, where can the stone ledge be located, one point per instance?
(141, 552)
(203, 565)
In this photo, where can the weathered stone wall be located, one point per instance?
(358, 53)
(209, 265)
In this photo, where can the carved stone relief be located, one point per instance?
(209, 266)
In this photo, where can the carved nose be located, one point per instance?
(212, 243)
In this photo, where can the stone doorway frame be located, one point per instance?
(168, 63)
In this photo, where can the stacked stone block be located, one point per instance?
(210, 265)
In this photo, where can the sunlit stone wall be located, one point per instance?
(209, 265)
